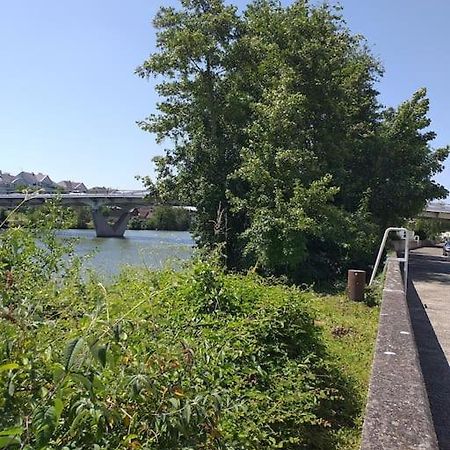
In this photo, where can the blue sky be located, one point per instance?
(69, 98)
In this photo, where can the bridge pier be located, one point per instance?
(104, 229)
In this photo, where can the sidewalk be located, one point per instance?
(429, 305)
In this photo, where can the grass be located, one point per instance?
(349, 330)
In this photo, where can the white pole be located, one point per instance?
(405, 269)
(380, 254)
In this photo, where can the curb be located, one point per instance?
(398, 412)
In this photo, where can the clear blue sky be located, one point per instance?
(69, 98)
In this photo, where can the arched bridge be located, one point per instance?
(126, 201)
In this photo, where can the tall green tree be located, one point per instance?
(277, 136)
(403, 163)
(202, 111)
(314, 105)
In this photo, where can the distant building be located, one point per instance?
(45, 182)
(30, 180)
(73, 186)
(6, 180)
(25, 180)
(39, 181)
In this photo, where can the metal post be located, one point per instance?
(380, 254)
(405, 259)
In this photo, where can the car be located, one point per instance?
(446, 248)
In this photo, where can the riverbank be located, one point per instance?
(169, 359)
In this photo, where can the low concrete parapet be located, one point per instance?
(399, 246)
(398, 412)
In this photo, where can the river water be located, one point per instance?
(144, 248)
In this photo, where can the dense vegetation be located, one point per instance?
(80, 217)
(278, 137)
(196, 359)
(163, 218)
(431, 228)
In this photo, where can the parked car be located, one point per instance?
(446, 248)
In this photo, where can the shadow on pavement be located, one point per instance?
(435, 368)
(430, 267)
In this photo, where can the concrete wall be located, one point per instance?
(398, 413)
(399, 246)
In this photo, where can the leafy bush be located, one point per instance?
(159, 360)
(163, 218)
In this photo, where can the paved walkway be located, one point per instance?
(429, 304)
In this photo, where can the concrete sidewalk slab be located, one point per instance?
(429, 305)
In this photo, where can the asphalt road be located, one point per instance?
(429, 305)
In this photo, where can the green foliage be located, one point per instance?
(278, 137)
(402, 168)
(78, 217)
(163, 218)
(82, 218)
(203, 110)
(430, 228)
(190, 359)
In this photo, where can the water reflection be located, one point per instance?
(143, 248)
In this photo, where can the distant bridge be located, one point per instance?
(437, 210)
(126, 201)
(94, 200)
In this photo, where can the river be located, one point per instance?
(144, 248)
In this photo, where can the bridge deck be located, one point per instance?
(123, 198)
(429, 304)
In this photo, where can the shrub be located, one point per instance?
(159, 360)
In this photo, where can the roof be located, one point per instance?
(30, 179)
(26, 178)
(72, 185)
(6, 178)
